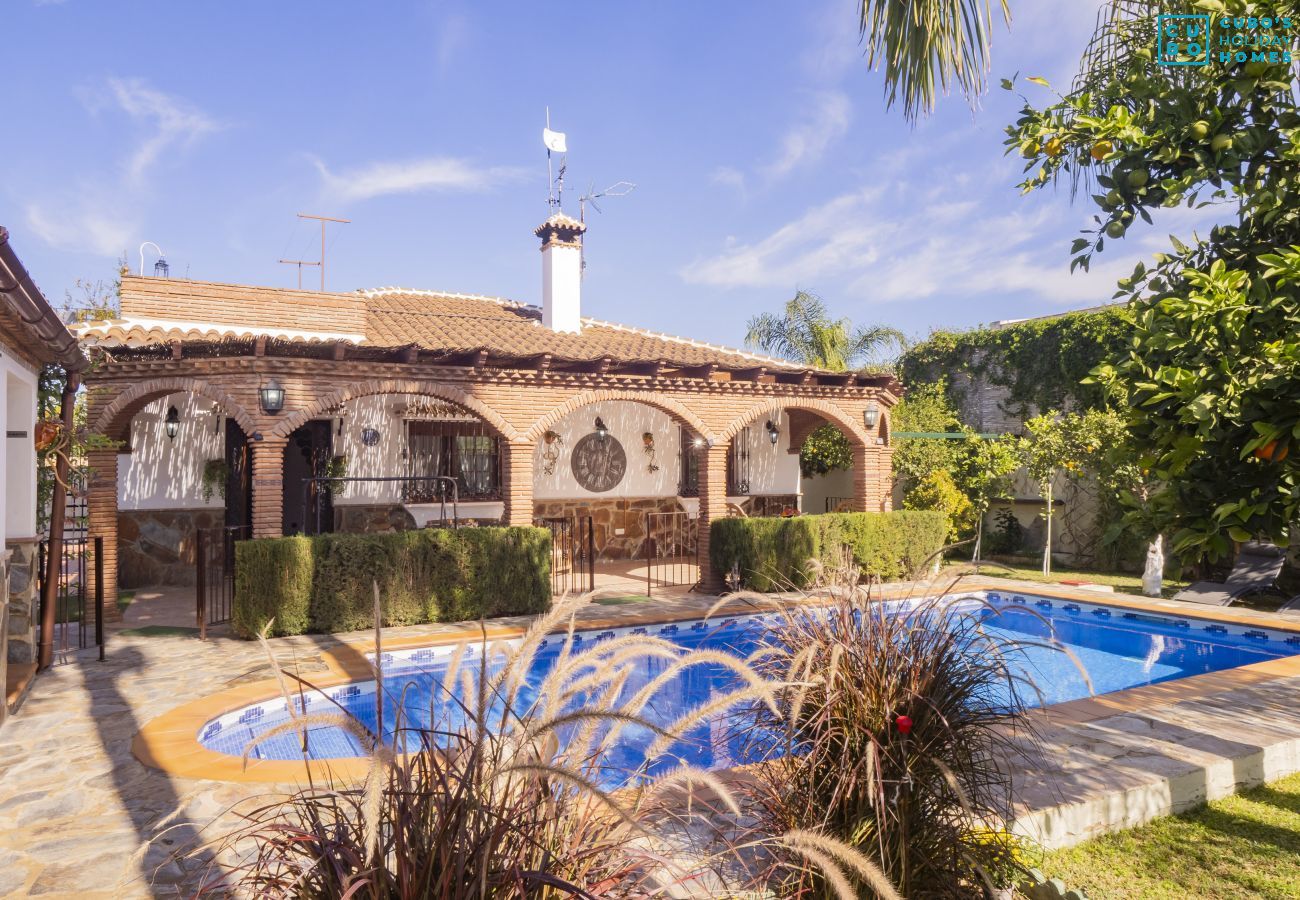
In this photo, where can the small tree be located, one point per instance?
(1046, 448)
(987, 465)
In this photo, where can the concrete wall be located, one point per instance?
(18, 494)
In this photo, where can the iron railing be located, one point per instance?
(573, 554)
(441, 481)
(70, 596)
(214, 574)
(671, 551)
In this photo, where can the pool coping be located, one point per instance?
(170, 742)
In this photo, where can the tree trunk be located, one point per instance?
(1047, 544)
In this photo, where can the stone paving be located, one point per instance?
(79, 816)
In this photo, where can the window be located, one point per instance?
(738, 465)
(460, 450)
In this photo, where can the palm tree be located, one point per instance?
(807, 334)
(924, 44)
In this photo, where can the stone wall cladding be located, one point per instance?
(24, 601)
(608, 517)
(157, 546)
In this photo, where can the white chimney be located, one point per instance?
(561, 272)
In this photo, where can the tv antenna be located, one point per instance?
(300, 263)
(322, 220)
(617, 189)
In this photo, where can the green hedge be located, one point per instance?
(773, 554)
(323, 583)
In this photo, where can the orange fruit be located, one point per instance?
(1102, 149)
(1054, 147)
(1272, 452)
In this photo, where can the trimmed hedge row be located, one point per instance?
(773, 554)
(323, 583)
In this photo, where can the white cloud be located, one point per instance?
(728, 177)
(893, 242)
(173, 121)
(81, 227)
(438, 173)
(827, 240)
(826, 120)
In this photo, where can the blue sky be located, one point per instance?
(763, 155)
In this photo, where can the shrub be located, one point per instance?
(775, 554)
(273, 580)
(1007, 536)
(324, 583)
(938, 491)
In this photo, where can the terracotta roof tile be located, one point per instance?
(462, 323)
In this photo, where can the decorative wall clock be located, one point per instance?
(599, 463)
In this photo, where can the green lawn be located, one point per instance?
(1127, 582)
(1244, 846)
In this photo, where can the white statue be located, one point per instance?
(1153, 574)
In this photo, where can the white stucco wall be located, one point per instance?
(18, 493)
(383, 459)
(165, 473)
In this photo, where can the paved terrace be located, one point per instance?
(78, 808)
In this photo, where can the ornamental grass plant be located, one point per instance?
(889, 733)
(502, 797)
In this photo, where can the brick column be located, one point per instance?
(713, 505)
(872, 478)
(268, 486)
(517, 482)
(101, 510)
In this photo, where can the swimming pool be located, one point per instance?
(1118, 647)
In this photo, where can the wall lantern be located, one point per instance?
(271, 396)
(369, 437)
(602, 430)
(773, 433)
(172, 424)
(871, 415)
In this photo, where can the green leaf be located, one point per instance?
(1036, 80)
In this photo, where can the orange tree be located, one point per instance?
(1211, 377)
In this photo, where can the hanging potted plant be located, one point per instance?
(335, 470)
(216, 472)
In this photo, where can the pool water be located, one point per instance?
(1119, 649)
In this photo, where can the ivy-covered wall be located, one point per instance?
(1000, 376)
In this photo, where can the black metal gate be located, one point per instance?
(573, 555)
(69, 593)
(672, 551)
(214, 575)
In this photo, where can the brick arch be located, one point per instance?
(396, 386)
(116, 417)
(674, 408)
(823, 408)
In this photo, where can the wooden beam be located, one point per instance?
(176, 349)
(606, 363)
(259, 346)
(340, 352)
(480, 359)
(411, 354)
(543, 362)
